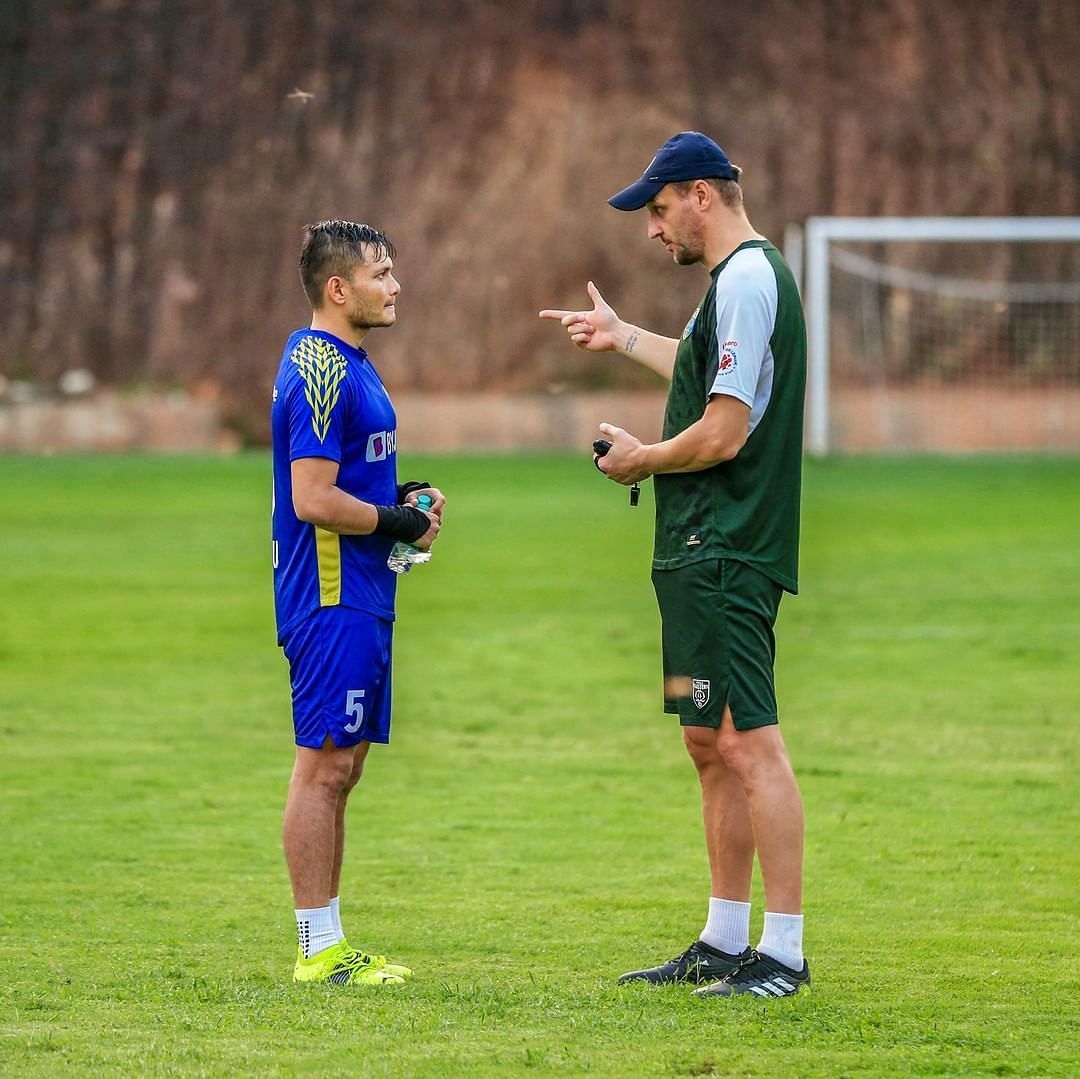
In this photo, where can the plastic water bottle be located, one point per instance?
(403, 556)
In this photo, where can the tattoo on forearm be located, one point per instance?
(631, 341)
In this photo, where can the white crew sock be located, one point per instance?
(781, 939)
(728, 927)
(315, 930)
(335, 914)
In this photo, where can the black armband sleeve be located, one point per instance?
(404, 489)
(401, 522)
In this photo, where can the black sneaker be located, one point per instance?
(761, 975)
(699, 963)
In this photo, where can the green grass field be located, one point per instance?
(533, 830)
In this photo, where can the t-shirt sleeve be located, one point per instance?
(745, 317)
(315, 401)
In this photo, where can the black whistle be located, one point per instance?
(600, 447)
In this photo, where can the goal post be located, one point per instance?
(897, 284)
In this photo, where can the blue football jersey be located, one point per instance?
(330, 402)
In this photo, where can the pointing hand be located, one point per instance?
(592, 330)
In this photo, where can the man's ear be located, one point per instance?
(702, 193)
(335, 289)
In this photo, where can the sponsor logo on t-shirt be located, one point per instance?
(729, 358)
(380, 445)
(690, 325)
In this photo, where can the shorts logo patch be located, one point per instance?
(693, 540)
(701, 689)
(729, 358)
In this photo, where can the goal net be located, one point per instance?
(943, 334)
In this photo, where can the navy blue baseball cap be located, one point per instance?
(686, 156)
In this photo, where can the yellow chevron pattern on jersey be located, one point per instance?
(322, 368)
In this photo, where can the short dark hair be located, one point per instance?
(729, 190)
(333, 248)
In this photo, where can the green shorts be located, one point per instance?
(717, 618)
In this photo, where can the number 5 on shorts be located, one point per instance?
(354, 706)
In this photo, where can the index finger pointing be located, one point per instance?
(560, 315)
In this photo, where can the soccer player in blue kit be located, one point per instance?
(338, 509)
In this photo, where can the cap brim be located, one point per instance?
(636, 195)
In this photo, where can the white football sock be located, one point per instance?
(335, 914)
(781, 939)
(728, 927)
(315, 930)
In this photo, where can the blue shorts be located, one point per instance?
(339, 666)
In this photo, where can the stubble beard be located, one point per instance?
(367, 320)
(690, 251)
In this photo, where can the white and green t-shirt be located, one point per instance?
(747, 339)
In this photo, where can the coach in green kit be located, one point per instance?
(727, 481)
